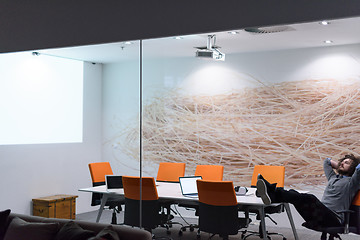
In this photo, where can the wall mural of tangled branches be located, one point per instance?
(294, 124)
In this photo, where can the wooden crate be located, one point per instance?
(57, 206)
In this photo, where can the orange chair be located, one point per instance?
(273, 174)
(150, 217)
(210, 172)
(354, 221)
(207, 172)
(170, 172)
(98, 171)
(218, 208)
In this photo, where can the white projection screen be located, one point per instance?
(41, 99)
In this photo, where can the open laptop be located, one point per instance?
(188, 186)
(113, 183)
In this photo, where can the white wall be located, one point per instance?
(38, 170)
(120, 110)
(198, 76)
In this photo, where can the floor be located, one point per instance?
(160, 233)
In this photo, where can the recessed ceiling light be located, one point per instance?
(178, 38)
(324, 23)
(233, 32)
(328, 41)
(128, 43)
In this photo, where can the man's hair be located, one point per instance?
(355, 161)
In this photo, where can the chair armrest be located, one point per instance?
(346, 211)
(346, 219)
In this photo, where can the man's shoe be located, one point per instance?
(259, 176)
(270, 186)
(262, 191)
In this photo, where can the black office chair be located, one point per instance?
(218, 209)
(169, 172)
(207, 172)
(151, 216)
(351, 224)
(98, 171)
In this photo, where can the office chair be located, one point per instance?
(169, 172)
(210, 172)
(98, 171)
(207, 172)
(351, 224)
(355, 216)
(150, 214)
(273, 174)
(218, 209)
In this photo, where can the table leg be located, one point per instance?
(262, 219)
(287, 208)
(102, 205)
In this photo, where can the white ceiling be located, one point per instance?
(304, 35)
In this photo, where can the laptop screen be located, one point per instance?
(188, 185)
(114, 181)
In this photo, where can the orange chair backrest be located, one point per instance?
(99, 170)
(273, 174)
(210, 172)
(170, 172)
(216, 193)
(356, 200)
(132, 188)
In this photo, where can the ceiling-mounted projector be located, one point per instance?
(210, 51)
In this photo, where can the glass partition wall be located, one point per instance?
(270, 95)
(282, 95)
(277, 95)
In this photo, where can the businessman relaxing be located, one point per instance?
(341, 189)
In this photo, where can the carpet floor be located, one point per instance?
(161, 233)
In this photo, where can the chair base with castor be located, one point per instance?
(334, 231)
(166, 217)
(191, 227)
(246, 233)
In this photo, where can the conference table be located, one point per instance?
(171, 191)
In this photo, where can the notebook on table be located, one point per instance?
(113, 183)
(188, 186)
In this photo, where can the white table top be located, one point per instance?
(172, 191)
